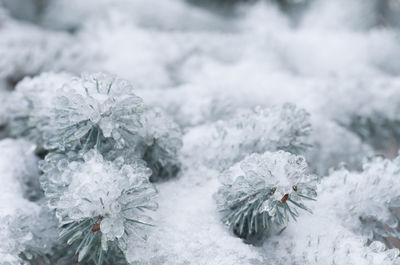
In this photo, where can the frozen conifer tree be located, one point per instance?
(260, 193)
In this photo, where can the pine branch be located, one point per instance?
(260, 193)
(99, 204)
(370, 197)
(283, 127)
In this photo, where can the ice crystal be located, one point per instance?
(98, 110)
(31, 100)
(89, 109)
(158, 142)
(31, 237)
(282, 127)
(99, 203)
(328, 242)
(371, 197)
(341, 224)
(42, 229)
(26, 227)
(162, 139)
(257, 192)
(335, 59)
(12, 241)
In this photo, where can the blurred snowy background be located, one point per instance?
(203, 62)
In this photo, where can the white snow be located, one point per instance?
(189, 230)
(337, 60)
(18, 164)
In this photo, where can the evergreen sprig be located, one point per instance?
(98, 111)
(101, 141)
(372, 198)
(99, 203)
(162, 140)
(260, 193)
(91, 108)
(32, 97)
(282, 127)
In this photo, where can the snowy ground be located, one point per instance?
(337, 60)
